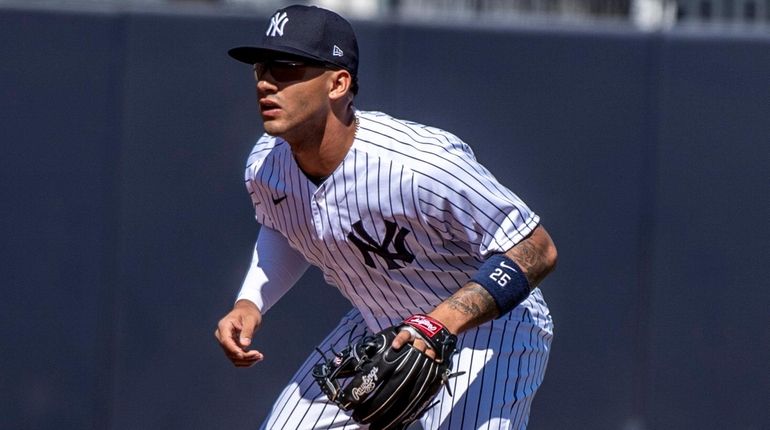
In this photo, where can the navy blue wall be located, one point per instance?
(59, 86)
(709, 338)
(127, 230)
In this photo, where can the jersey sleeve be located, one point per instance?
(464, 202)
(275, 268)
(259, 199)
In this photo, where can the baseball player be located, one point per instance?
(401, 218)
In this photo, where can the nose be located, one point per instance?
(266, 86)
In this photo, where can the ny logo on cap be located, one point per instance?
(277, 22)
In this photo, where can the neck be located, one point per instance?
(324, 147)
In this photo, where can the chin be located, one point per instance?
(272, 128)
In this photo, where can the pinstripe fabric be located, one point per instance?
(505, 361)
(398, 227)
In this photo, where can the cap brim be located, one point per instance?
(253, 54)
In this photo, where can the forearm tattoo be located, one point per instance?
(474, 301)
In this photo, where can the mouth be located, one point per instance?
(268, 107)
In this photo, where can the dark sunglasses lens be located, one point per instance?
(282, 71)
(287, 71)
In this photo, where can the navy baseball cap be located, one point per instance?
(307, 32)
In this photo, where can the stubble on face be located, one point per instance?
(302, 108)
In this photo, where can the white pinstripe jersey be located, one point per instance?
(400, 225)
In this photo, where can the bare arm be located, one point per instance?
(472, 305)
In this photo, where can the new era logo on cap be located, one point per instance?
(337, 52)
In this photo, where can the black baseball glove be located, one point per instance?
(387, 388)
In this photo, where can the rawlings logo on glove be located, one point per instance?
(425, 324)
(388, 388)
(367, 385)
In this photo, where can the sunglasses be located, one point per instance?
(283, 70)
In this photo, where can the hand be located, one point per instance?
(234, 333)
(406, 336)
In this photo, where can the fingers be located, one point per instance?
(402, 338)
(246, 358)
(247, 331)
(424, 347)
(238, 355)
(405, 336)
(226, 331)
(234, 333)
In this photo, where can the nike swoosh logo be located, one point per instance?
(279, 200)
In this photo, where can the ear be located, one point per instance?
(340, 84)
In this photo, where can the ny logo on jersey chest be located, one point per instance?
(394, 235)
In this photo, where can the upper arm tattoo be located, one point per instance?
(531, 260)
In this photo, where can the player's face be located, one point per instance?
(292, 97)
